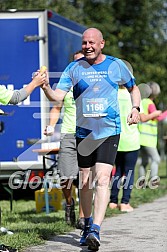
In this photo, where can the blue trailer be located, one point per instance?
(30, 39)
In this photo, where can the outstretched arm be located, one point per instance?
(151, 116)
(161, 116)
(56, 95)
(23, 93)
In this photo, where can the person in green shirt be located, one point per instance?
(149, 137)
(14, 97)
(67, 161)
(127, 153)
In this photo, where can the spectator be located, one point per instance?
(127, 153)
(14, 97)
(67, 162)
(149, 136)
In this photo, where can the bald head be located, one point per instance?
(92, 45)
(94, 32)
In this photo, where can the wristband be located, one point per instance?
(50, 129)
(136, 107)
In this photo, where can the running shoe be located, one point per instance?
(80, 223)
(93, 240)
(70, 214)
(85, 232)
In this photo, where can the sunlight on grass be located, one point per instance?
(29, 228)
(32, 229)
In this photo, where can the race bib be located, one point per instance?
(94, 107)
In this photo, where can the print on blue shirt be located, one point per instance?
(95, 93)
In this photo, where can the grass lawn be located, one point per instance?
(31, 228)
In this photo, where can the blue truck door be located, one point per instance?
(19, 58)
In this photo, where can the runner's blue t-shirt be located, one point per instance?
(95, 92)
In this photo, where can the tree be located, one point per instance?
(133, 31)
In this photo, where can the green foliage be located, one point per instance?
(69, 9)
(132, 32)
(23, 4)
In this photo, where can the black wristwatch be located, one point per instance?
(136, 107)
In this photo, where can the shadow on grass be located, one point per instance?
(37, 218)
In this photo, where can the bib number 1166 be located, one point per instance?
(95, 107)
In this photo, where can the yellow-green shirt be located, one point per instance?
(5, 95)
(129, 137)
(69, 118)
(148, 130)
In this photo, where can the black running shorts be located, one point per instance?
(90, 152)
